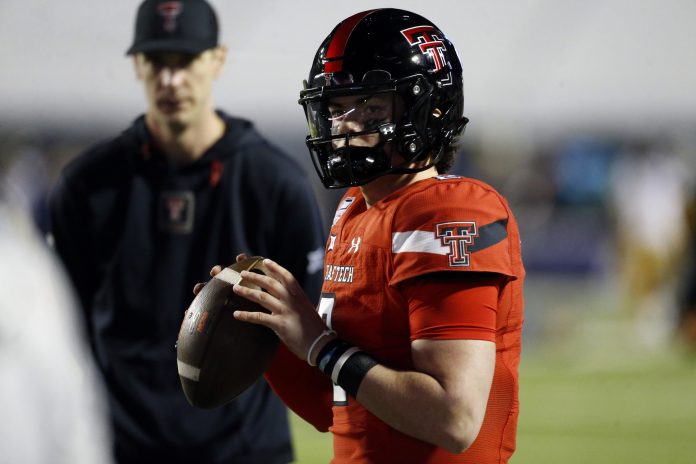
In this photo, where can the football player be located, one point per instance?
(412, 353)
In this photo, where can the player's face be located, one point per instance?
(178, 85)
(357, 113)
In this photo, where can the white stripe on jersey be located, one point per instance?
(418, 241)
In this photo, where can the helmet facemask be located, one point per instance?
(359, 132)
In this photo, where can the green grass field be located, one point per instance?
(645, 415)
(591, 392)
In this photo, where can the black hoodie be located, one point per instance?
(136, 232)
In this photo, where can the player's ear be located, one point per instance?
(138, 65)
(219, 57)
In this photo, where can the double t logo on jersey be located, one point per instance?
(428, 39)
(457, 235)
(176, 211)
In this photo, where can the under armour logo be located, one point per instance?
(457, 235)
(332, 242)
(354, 245)
(170, 11)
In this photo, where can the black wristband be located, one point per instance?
(329, 354)
(353, 371)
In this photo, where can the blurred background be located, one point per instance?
(583, 114)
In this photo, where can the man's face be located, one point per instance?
(178, 85)
(357, 113)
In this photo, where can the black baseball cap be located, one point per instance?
(188, 26)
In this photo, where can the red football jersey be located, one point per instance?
(442, 224)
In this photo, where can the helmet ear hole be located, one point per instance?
(410, 148)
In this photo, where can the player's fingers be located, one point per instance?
(281, 274)
(268, 283)
(198, 287)
(255, 317)
(276, 270)
(215, 270)
(265, 299)
(241, 257)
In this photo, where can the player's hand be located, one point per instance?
(213, 272)
(293, 317)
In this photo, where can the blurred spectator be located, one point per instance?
(26, 172)
(686, 319)
(29, 174)
(649, 194)
(582, 171)
(558, 192)
(52, 402)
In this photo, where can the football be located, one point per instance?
(219, 357)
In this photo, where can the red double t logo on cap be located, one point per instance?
(170, 11)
